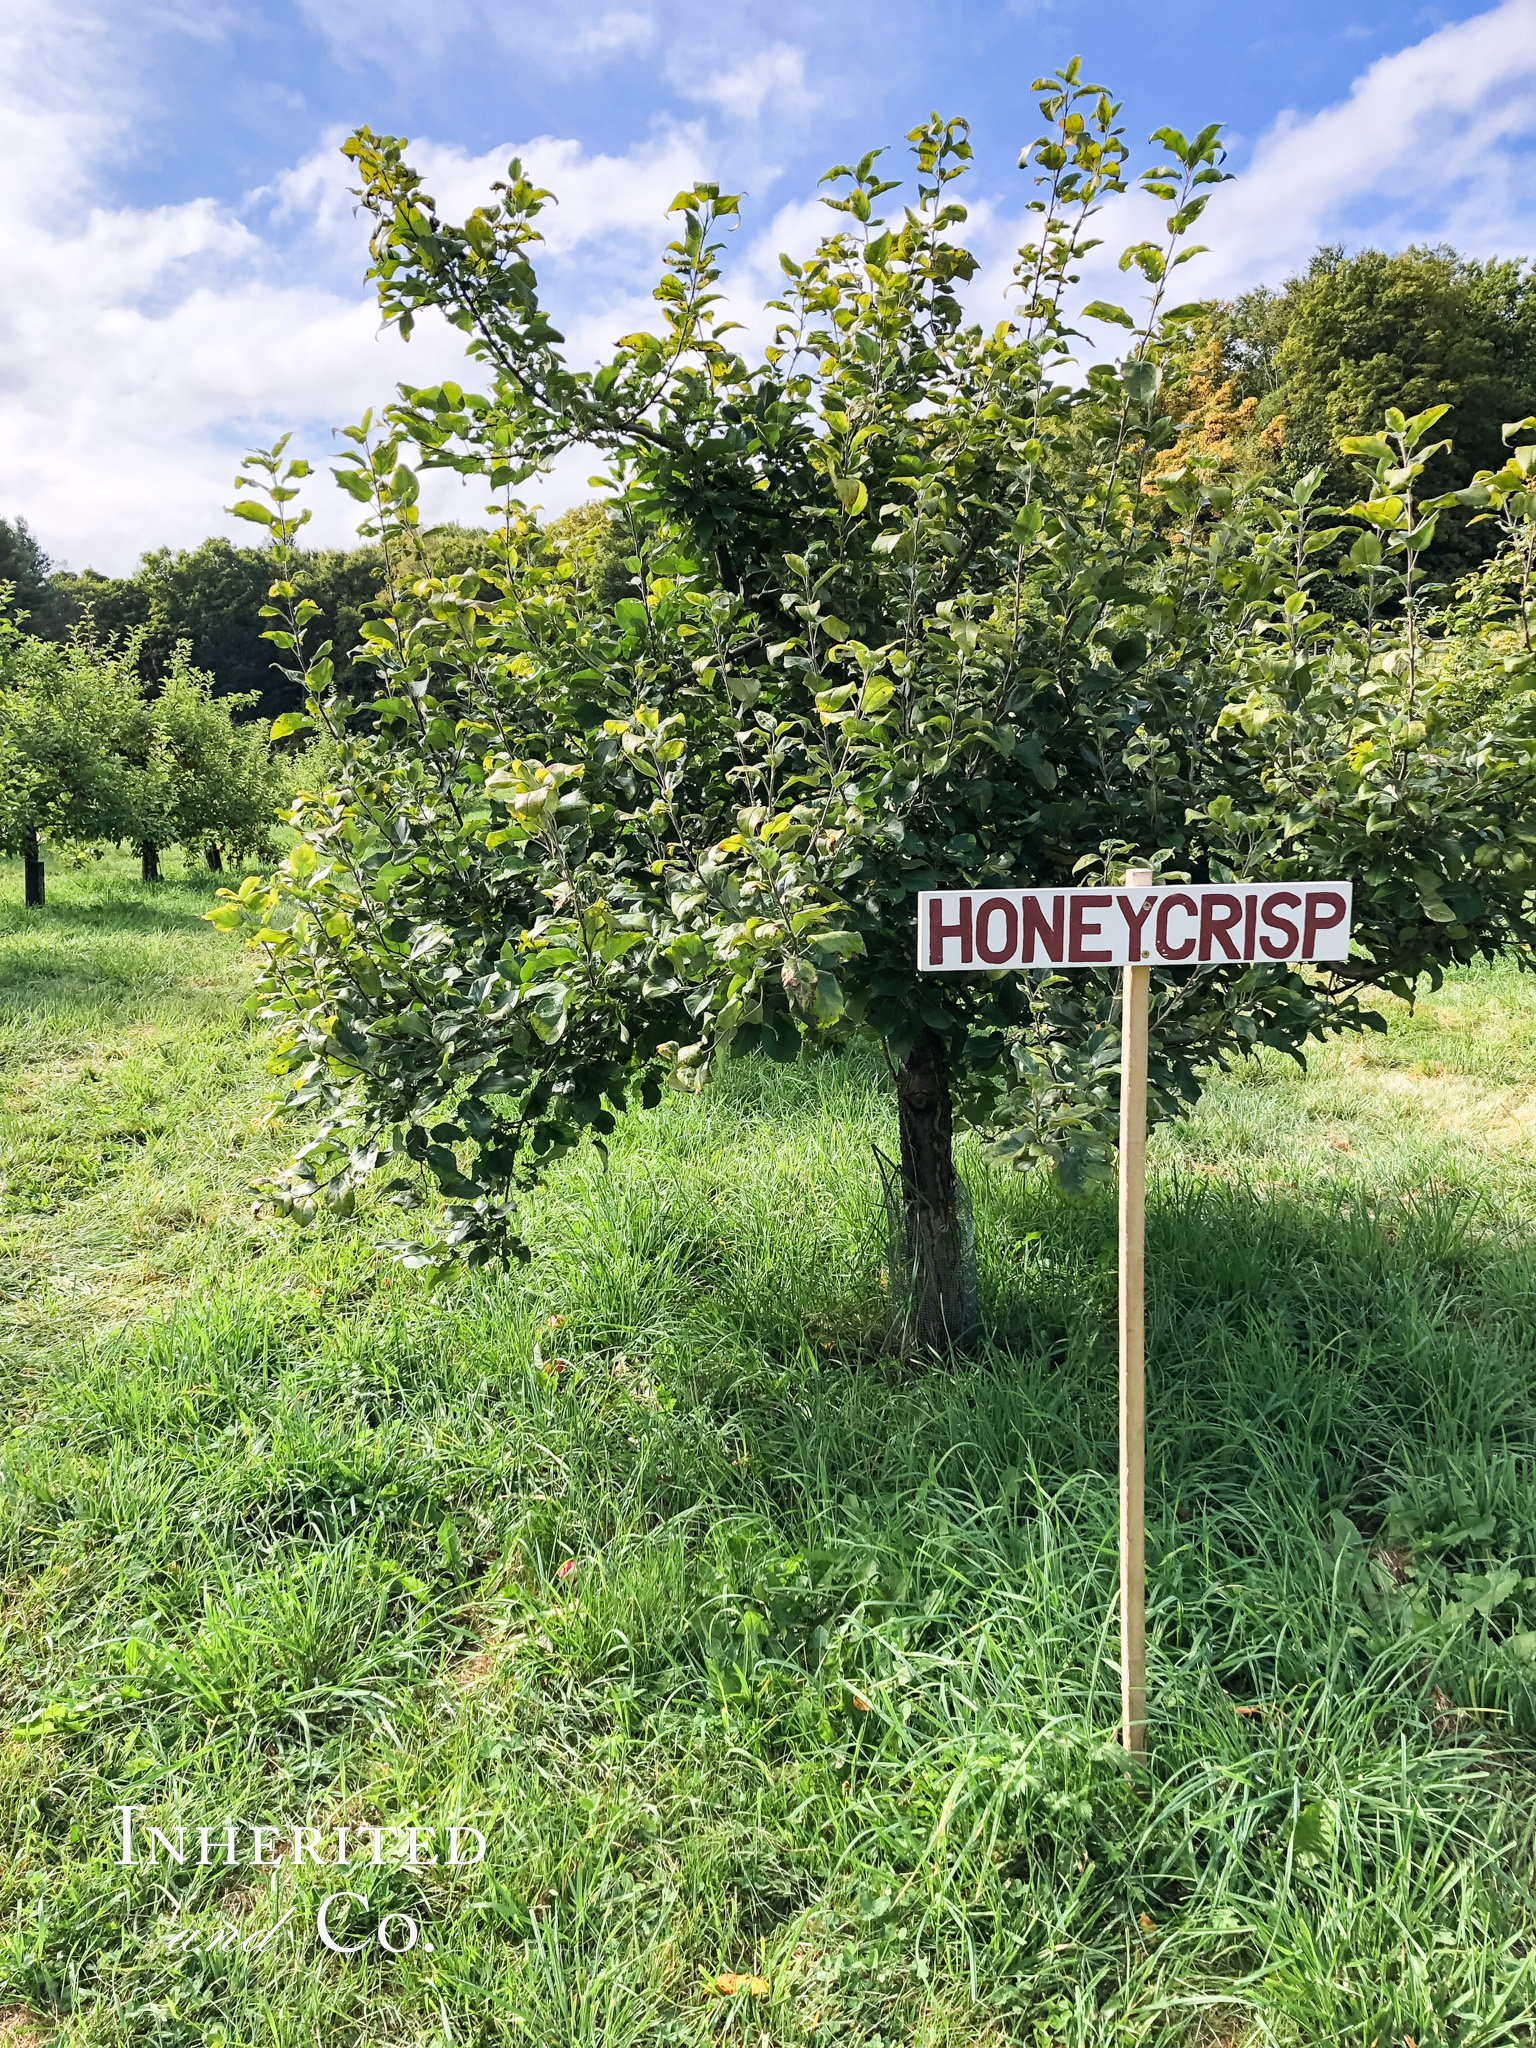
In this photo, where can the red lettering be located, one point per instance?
(1317, 899)
(939, 931)
(1218, 913)
(1080, 930)
(1289, 900)
(1035, 928)
(1250, 919)
(996, 955)
(1165, 949)
(1134, 921)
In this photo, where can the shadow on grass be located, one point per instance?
(120, 914)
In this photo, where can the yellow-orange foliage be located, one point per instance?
(1217, 423)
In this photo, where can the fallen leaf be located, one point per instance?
(730, 1984)
(1148, 1924)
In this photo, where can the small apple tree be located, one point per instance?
(908, 607)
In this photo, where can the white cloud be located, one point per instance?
(775, 74)
(611, 34)
(1433, 143)
(595, 197)
(145, 349)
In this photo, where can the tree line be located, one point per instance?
(208, 601)
(1273, 382)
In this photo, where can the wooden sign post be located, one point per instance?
(1135, 928)
(1136, 986)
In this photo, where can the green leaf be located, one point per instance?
(1371, 446)
(1101, 309)
(828, 1004)
(1141, 381)
(1420, 424)
(1428, 885)
(289, 722)
(254, 510)
(1312, 1831)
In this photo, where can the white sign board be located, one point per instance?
(1136, 927)
(1206, 924)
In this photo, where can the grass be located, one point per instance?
(758, 1657)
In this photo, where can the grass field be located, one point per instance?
(760, 1659)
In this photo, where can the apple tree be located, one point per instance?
(907, 603)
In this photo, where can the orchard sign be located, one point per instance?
(1135, 927)
(964, 929)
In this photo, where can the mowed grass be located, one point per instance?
(756, 1654)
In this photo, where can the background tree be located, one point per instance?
(79, 756)
(224, 785)
(912, 610)
(1276, 379)
(27, 568)
(88, 757)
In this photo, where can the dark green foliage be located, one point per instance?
(1331, 349)
(210, 597)
(27, 568)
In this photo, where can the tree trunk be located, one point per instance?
(940, 1254)
(215, 855)
(32, 870)
(149, 861)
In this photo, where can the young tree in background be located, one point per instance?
(79, 757)
(88, 758)
(224, 785)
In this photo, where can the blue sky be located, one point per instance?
(186, 273)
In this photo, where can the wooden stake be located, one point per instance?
(1133, 1411)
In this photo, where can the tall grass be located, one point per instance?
(755, 1653)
